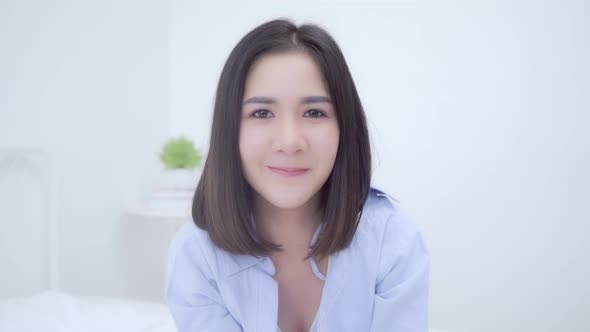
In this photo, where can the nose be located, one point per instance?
(289, 136)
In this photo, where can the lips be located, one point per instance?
(288, 171)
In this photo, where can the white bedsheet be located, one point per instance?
(52, 311)
(61, 312)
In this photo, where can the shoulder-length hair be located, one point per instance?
(222, 202)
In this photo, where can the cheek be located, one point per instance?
(327, 141)
(251, 141)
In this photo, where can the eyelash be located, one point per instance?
(321, 113)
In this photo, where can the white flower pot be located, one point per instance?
(173, 192)
(178, 180)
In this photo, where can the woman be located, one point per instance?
(288, 234)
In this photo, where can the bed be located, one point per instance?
(30, 299)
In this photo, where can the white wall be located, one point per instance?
(477, 112)
(88, 81)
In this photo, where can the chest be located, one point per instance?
(300, 294)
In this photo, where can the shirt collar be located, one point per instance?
(233, 263)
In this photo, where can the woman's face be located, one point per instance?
(288, 122)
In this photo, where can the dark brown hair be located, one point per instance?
(222, 202)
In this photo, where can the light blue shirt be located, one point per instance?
(379, 283)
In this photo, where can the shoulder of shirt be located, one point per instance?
(187, 234)
(196, 245)
(389, 233)
(379, 206)
(192, 242)
(383, 217)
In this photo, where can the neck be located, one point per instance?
(293, 229)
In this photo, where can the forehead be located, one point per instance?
(284, 74)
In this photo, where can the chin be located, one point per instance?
(287, 198)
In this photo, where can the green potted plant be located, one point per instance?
(181, 161)
(172, 193)
(180, 153)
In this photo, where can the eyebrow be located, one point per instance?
(304, 100)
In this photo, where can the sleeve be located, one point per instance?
(402, 287)
(194, 300)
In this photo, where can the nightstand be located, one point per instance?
(145, 238)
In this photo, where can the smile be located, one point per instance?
(288, 171)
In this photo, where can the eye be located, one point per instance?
(315, 113)
(261, 114)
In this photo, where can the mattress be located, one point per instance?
(52, 311)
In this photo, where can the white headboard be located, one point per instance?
(28, 223)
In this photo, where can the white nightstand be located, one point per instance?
(145, 237)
